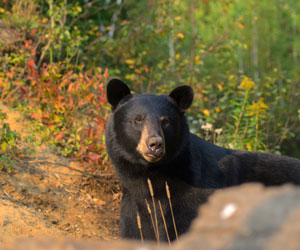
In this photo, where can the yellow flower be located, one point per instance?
(258, 108)
(206, 112)
(130, 61)
(220, 87)
(246, 84)
(124, 22)
(240, 25)
(180, 35)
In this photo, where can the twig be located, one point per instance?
(7, 194)
(47, 162)
(240, 116)
(65, 165)
(284, 131)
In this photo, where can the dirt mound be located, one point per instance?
(46, 194)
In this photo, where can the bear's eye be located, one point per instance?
(139, 119)
(164, 121)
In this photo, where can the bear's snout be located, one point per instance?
(151, 145)
(155, 149)
(155, 145)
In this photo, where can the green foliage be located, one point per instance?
(214, 46)
(9, 141)
(65, 101)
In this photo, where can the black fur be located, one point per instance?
(192, 167)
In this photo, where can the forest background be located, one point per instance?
(240, 57)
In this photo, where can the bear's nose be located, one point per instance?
(155, 144)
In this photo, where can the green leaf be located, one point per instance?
(4, 146)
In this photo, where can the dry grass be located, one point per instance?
(154, 208)
(154, 220)
(151, 216)
(164, 220)
(140, 226)
(171, 208)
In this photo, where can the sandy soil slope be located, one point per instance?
(49, 195)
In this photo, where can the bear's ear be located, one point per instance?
(183, 95)
(116, 90)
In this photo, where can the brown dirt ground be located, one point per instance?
(48, 195)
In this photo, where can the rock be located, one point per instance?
(246, 217)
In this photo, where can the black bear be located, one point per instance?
(150, 146)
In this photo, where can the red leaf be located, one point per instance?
(26, 44)
(31, 63)
(71, 87)
(80, 151)
(100, 89)
(94, 156)
(106, 73)
(59, 136)
(35, 116)
(89, 97)
(32, 33)
(70, 102)
(81, 102)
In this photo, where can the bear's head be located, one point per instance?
(148, 129)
